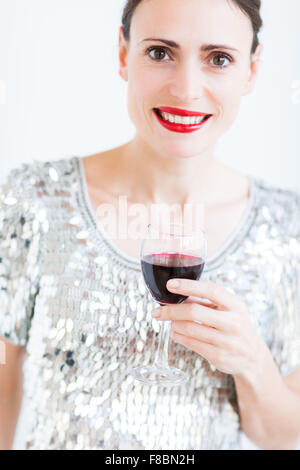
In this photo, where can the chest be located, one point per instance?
(125, 224)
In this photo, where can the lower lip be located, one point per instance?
(183, 128)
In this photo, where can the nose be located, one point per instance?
(188, 82)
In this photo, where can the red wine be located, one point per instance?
(158, 268)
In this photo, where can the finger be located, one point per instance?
(200, 333)
(209, 290)
(205, 350)
(205, 303)
(194, 312)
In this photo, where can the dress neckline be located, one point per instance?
(230, 245)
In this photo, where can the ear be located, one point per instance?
(254, 69)
(123, 55)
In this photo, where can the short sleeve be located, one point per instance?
(20, 240)
(289, 290)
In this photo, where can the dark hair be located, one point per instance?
(250, 7)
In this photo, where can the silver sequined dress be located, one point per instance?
(83, 312)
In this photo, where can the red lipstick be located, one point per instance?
(179, 112)
(181, 128)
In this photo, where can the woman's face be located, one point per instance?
(208, 71)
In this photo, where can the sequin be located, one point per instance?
(82, 310)
(53, 174)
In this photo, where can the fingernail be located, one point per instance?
(157, 312)
(173, 283)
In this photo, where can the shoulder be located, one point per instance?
(279, 206)
(32, 180)
(32, 190)
(280, 195)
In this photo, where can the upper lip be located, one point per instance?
(180, 112)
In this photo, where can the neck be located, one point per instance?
(155, 178)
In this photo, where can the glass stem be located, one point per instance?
(162, 352)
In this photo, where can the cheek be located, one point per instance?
(228, 93)
(144, 93)
(145, 86)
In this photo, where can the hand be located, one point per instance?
(220, 331)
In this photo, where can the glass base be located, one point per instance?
(154, 375)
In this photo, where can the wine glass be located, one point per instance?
(179, 252)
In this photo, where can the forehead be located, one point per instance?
(191, 21)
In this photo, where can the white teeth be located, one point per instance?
(188, 120)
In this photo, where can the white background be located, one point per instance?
(60, 90)
(59, 62)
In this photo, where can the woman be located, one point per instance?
(74, 296)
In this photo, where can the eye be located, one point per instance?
(219, 60)
(158, 53)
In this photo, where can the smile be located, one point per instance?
(181, 121)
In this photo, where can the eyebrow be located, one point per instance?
(204, 47)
